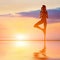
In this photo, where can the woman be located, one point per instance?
(43, 16)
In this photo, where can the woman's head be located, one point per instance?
(43, 8)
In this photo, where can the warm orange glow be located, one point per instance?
(24, 26)
(18, 37)
(21, 37)
(20, 40)
(21, 44)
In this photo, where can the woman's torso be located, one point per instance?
(43, 15)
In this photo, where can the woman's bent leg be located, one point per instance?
(37, 25)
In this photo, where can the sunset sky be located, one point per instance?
(19, 16)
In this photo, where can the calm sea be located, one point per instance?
(9, 51)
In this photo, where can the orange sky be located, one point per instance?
(10, 26)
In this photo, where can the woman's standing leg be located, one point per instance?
(43, 51)
(45, 24)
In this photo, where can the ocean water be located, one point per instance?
(10, 51)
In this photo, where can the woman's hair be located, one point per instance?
(43, 8)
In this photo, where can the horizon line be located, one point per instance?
(29, 40)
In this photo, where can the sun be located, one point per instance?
(21, 40)
(21, 37)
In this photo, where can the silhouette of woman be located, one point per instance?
(43, 16)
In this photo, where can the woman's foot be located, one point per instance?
(43, 52)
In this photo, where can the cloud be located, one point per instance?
(7, 15)
(10, 15)
(33, 14)
(53, 13)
